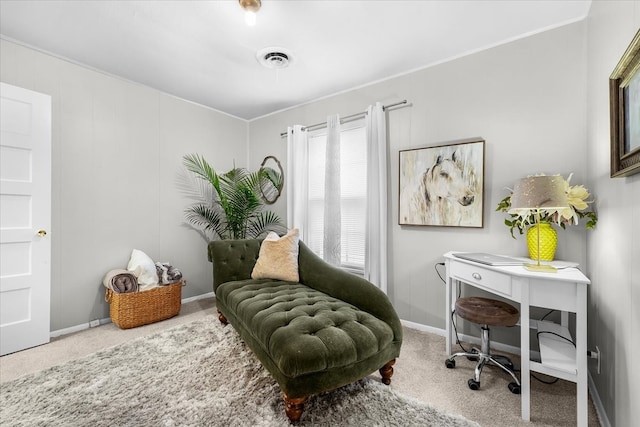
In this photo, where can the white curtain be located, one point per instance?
(297, 185)
(332, 195)
(375, 263)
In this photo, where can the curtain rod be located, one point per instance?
(348, 118)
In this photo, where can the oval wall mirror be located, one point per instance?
(273, 179)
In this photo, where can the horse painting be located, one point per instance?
(442, 186)
(445, 180)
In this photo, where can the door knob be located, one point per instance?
(42, 233)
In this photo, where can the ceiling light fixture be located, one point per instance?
(250, 7)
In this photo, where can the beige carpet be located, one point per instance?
(419, 373)
(199, 374)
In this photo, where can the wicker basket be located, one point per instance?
(130, 310)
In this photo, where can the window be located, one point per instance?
(353, 187)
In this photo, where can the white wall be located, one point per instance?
(527, 100)
(614, 249)
(116, 151)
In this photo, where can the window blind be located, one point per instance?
(353, 186)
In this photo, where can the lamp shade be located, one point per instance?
(539, 192)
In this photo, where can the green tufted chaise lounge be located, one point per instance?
(327, 330)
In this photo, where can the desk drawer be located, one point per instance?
(482, 278)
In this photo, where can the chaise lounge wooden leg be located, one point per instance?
(293, 407)
(387, 371)
(222, 319)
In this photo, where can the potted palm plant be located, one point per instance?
(229, 205)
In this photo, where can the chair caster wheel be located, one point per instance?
(514, 388)
(450, 363)
(473, 384)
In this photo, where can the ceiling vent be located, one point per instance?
(275, 57)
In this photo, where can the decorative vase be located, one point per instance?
(548, 241)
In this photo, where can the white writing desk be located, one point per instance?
(565, 291)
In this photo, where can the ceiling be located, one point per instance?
(203, 51)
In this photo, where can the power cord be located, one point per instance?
(558, 335)
(455, 330)
(545, 316)
(453, 312)
(555, 380)
(435, 267)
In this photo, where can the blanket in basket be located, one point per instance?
(120, 281)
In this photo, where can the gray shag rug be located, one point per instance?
(198, 374)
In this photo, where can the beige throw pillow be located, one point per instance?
(278, 257)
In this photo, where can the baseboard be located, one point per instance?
(507, 348)
(197, 297)
(597, 402)
(423, 328)
(78, 328)
(92, 324)
(466, 338)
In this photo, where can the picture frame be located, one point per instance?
(442, 185)
(624, 105)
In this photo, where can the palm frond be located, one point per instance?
(207, 218)
(272, 176)
(236, 174)
(254, 180)
(200, 167)
(263, 223)
(229, 205)
(194, 188)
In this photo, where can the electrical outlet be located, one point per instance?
(94, 323)
(595, 355)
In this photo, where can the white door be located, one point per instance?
(25, 218)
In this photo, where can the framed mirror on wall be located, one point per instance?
(271, 187)
(624, 101)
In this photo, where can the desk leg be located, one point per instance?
(581, 356)
(564, 318)
(448, 304)
(525, 377)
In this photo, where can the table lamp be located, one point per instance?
(536, 193)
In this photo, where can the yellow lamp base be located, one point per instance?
(541, 268)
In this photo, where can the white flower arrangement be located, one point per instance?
(577, 196)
